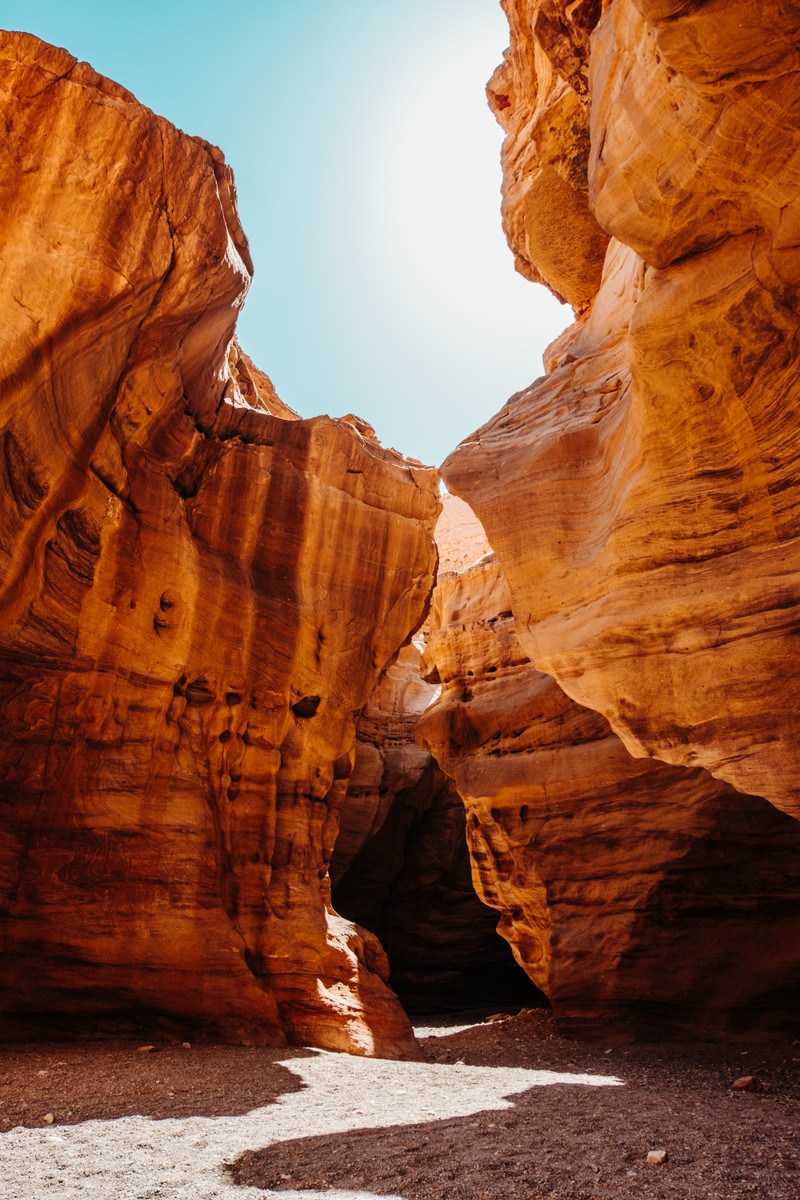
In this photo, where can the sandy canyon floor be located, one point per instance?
(503, 1110)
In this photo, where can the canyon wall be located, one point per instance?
(617, 707)
(387, 759)
(199, 591)
(643, 899)
(643, 498)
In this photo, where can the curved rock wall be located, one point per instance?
(198, 592)
(643, 899)
(401, 867)
(644, 498)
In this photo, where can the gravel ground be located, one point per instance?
(503, 1110)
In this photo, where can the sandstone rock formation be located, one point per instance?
(540, 97)
(460, 537)
(401, 867)
(641, 898)
(644, 498)
(387, 759)
(198, 592)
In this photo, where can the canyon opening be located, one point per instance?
(365, 837)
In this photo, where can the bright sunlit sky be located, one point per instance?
(367, 166)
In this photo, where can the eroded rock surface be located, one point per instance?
(641, 898)
(540, 97)
(387, 759)
(401, 866)
(198, 592)
(644, 498)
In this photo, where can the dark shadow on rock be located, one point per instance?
(411, 884)
(86, 1081)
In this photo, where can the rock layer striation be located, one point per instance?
(644, 497)
(643, 899)
(199, 590)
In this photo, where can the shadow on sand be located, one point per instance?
(87, 1081)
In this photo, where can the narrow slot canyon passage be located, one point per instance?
(411, 885)
(401, 867)
(539, 746)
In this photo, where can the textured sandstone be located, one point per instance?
(539, 95)
(644, 498)
(198, 592)
(641, 898)
(460, 537)
(387, 759)
(401, 866)
(413, 886)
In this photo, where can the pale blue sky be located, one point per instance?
(367, 168)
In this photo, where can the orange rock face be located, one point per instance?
(401, 866)
(644, 498)
(198, 592)
(641, 898)
(540, 97)
(387, 759)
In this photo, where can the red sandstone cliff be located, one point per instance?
(644, 497)
(642, 898)
(198, 592)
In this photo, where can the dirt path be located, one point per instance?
(501, 1111)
